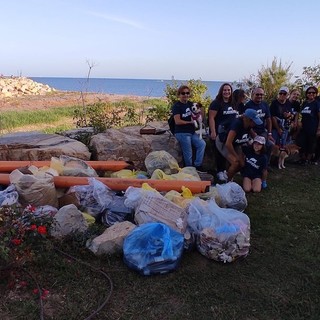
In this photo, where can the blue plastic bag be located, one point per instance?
(153, 248)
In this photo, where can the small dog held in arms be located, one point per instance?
(197, 116)
(283, 153)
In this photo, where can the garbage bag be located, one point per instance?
(223, 234)
(232, 196)
(9, 196)
(94, 198)
(117, 211)
(71, 166)
(153, 248)
(161, 160)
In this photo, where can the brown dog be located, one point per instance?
(284, 153)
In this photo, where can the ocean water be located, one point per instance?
(136, 87)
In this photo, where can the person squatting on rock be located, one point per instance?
(185, 130)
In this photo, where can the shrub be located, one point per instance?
(23, 233)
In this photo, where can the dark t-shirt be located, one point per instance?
(184, 109)
(225, 113)
(263, 113)
(254, 163)
(277, 109)
(309, 114)
(242, 134)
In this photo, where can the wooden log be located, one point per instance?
(108, 165)
(121, 184)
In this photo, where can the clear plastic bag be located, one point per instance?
(153, 248)
(161, 160)
(9, 196)
(222, 234)
(94, 198)
(232, 196)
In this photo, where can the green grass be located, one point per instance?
(279, 280)
(14, 119)
(58, 119)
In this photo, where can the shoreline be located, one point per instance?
(62, 99)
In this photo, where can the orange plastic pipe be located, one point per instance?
(118, 184)
(111, 165)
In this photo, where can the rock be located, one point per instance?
(40, 146)
(17, 86)
(129, 145)
(111, 241)
(68, 220)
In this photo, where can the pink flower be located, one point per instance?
(42, 229)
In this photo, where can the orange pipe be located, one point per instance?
(118, 184)
(111, 165)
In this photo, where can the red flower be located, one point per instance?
(16, 242)
(33, 227)
(42, 229)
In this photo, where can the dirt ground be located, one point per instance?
(58, 99)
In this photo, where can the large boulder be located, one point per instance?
(129, 145)
(33, 146)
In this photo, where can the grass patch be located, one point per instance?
(278, 280)
(10, 120)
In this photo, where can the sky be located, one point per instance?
(147, 39)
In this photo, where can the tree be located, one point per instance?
(310, 77)
(198, 92)
(269, 78)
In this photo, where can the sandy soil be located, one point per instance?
(58, 99)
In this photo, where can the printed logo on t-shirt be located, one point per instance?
(243, 139)
(187, 113)
(260, 114)
(306, 110)
(252, 162)
(230, 111)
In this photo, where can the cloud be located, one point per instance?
(121, 20)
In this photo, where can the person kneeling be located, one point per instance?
(255, 165)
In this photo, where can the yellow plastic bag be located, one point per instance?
(160, 175)
(124, 173)
(177, 198)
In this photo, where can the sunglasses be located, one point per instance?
(185, 93)
(311, 92)
(260, 94)
(283, 93)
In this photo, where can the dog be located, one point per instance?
(283, 153)
(197, 117)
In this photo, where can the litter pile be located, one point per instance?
(153, 217)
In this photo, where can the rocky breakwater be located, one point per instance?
(19, 86)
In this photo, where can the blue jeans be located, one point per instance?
(187, 140)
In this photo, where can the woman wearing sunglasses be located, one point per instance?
(310, 125)
(185, 130)
(282, 117)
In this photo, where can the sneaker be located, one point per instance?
(264, 184)
(225, 174)
(222, 176)
(200, 169)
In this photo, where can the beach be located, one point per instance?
(60, 99)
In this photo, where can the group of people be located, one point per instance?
(243, 133)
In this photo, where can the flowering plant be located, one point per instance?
(23, 232)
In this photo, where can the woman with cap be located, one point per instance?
(238, 135)
(255, 165)
(281, 117)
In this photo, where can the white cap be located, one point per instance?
(286, 89)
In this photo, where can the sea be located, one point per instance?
(135, 87)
